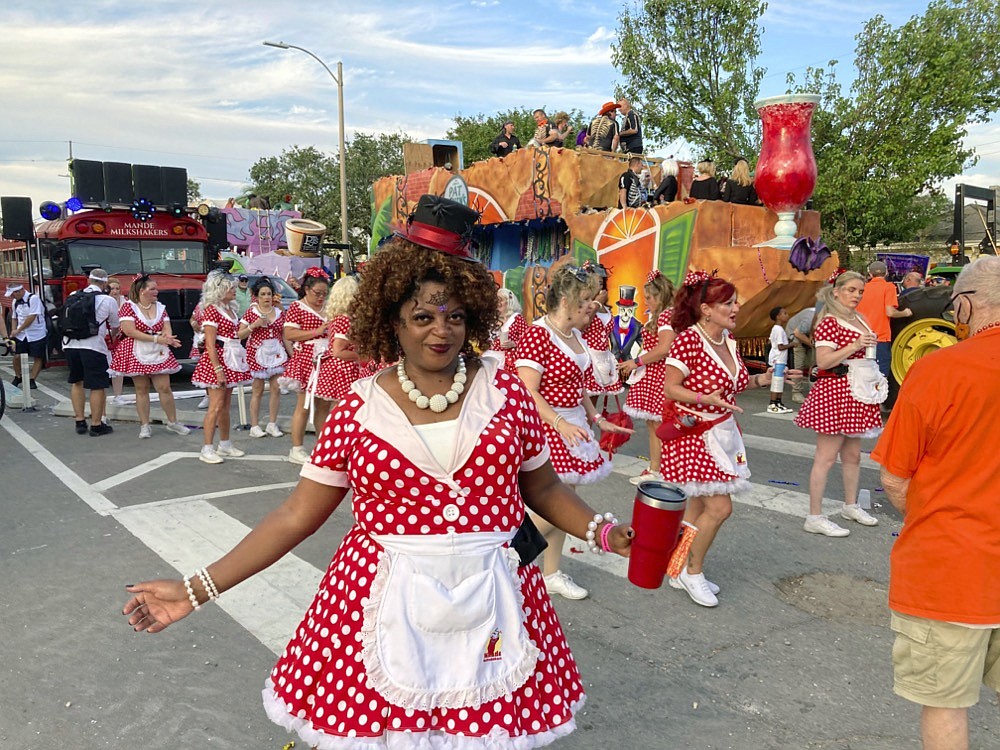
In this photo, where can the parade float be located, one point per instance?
(542, 207)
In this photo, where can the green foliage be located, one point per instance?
(477, 132)
(883, 152)
(675, 246)
(312, 178)
(689, 69)
(380, 224)
(193, 191)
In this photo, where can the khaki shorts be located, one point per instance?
(942, 665)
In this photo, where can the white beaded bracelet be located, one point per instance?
(592, 527)
(208, 584)
(190, 592)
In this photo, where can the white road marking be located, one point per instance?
(209, 496)
(42, 388)
(167, 458)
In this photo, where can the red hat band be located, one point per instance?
(436, 238)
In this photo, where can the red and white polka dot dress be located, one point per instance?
(271, 332)
(563, 372)
(197, 316)
(514, 328)
(226, 327)
(829, 408)
(597, 338)
(319, 687)
(123, 361)
(300, 366)
(336, 375)
(686, 461)
(645, 398)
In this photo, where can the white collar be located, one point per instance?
(730, 345)
(560, 342)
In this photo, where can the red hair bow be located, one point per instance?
(694, 278)
(834, 275)
(653, 275)
(318, 273)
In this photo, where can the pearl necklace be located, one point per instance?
(439, 401)
(720, 342)
(147, 307)
(567, 336)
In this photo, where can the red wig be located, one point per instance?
(688, 302)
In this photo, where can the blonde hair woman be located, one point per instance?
(739, 187)
(705, 186)
(839, 419)
(512, 328)
(339, 368)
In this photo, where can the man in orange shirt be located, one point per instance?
(944, 586)
(879, 303)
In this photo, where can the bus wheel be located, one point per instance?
(917, 339)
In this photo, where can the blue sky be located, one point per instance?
(192, 85)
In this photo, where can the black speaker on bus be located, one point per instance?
(174, 185)
(88, 180)
(17, 219)
(147, 183)
(118, 182)
(218, 232)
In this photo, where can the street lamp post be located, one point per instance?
(339, 80)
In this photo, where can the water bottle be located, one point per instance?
(870, 350)
(864, 499)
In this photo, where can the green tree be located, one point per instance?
(312, 178)
(884, 151)
(193, 191)
(689, 65)
(476, 132)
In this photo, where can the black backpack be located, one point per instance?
(78, 317)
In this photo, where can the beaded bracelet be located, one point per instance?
(592, 525)
(190, 592)
(207, 583)
(555, 423)
(605, 533)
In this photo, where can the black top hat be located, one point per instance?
(626, 296)
(441, 224)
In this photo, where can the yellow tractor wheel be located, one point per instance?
(917, 339)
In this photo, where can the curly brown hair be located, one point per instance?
(393, 276)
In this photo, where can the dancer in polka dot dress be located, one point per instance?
(339, 369)
(504, 344)
(266, 355)
(839, 419)
(703, 374)
(143, 353)
(437, 497)
(597, 337)
(553, 360)
(307, 329)
(111, 340)
(645, 372)
(222, 366)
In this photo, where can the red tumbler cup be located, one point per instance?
(656, 519)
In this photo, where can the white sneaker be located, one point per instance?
(675, 583)
(230, 451)
(203, 404)
(562, 584)
(256, 432)
(855, 512)
(273, 430)
(697, 588)
(209, 456)
(646, 476)
(177, 428)
(119, 401)
(145, 431)
(778, 409)
(297, 455)
(823, 525)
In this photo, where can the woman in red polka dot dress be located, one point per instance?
(645, 396)
(338, 369)
(143, 353)
(439, 485)
(839, 419)
(512, 328)
(306, 328)
(553, 361)
(266, 355)
(596, 336)
(222, 366)
(703, 374)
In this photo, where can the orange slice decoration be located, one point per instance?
(627, 243)
(486, 205)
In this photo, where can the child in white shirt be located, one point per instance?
(778, 359)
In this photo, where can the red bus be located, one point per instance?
(174, 250)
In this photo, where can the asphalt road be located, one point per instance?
(797, 655)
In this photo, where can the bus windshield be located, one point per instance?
(138, 256)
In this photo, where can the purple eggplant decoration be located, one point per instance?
(807, 254)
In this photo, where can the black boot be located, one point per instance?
(16, 382)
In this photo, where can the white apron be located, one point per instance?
(149, 353)
(588, 451)
(867, 383)
(444, 623)
(725, 444)
(271, 353)
(234, 356)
